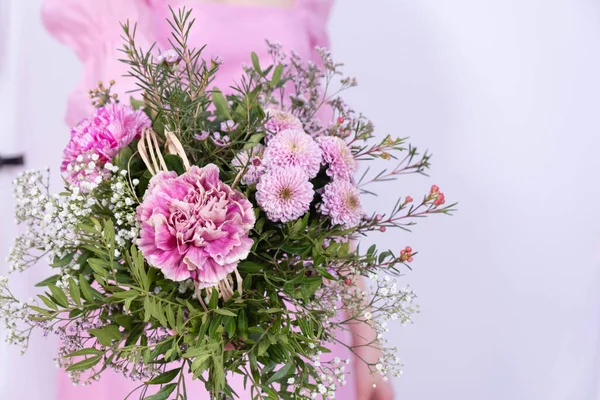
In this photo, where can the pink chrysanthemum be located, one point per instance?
(100, 138)
(284, 193)
(338, 156)
(252, 161)
(194, 226)
(280, 121)
(341, 202)
(294, 148)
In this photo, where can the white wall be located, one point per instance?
(33, 93)
(506, 95)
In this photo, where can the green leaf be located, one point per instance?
(259, 224)
(276, 75)
(225, 312)
(200, 364)
(297, 249)
(165, 377)
(324, 273)
(85, 352)
(299, 226)
(221, 107)
(174, 163)
(214, 299)
(47, 281)
(270, 311)
(266, 71)
(309, 286)
(99, 266)
(249, 266)
(383, 255)
(230, 327)
(126, 321)
(283, 372)
(126, 294)
(100, 279)
(159, 314)
(256, 64)
(180, 322)
(171, 317)
(86, 289)
(128, 302)
(215, 326)
(109, 237)
(85, 364)
(95, 250)
(263, 345)
(253, 140)
(74, 292)
(164, 393)
(59, 296)
(147, 309)
(75, 313)
(106, 334)
(136, 104)
(58, 263)
(49, 303)
(41, 310)
(371, 250)
(242, 322)
(305, 327)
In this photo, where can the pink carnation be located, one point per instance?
(341, 202)
(284, 194)
(194, 226)
(280, 121)
(100, 138)
(252, 161)
(337, 154)
(294, 148)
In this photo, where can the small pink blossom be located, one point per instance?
(338, 156)
(278, 121)
(228, 126)
(294, 148)
(284, 194)
(100, 138)
(169, 57)
(252, 161)
(220, 140)
(202, 136)
(341, 202)
(216, 59)
(194, 226)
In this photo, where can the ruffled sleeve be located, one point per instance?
(316, 14)
(92, 29)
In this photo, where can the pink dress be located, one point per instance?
(92, 29)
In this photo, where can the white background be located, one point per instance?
(506, 94)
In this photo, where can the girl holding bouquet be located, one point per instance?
(231, 30)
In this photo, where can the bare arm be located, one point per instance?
(362, 334)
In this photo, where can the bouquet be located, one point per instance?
(201, 234)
